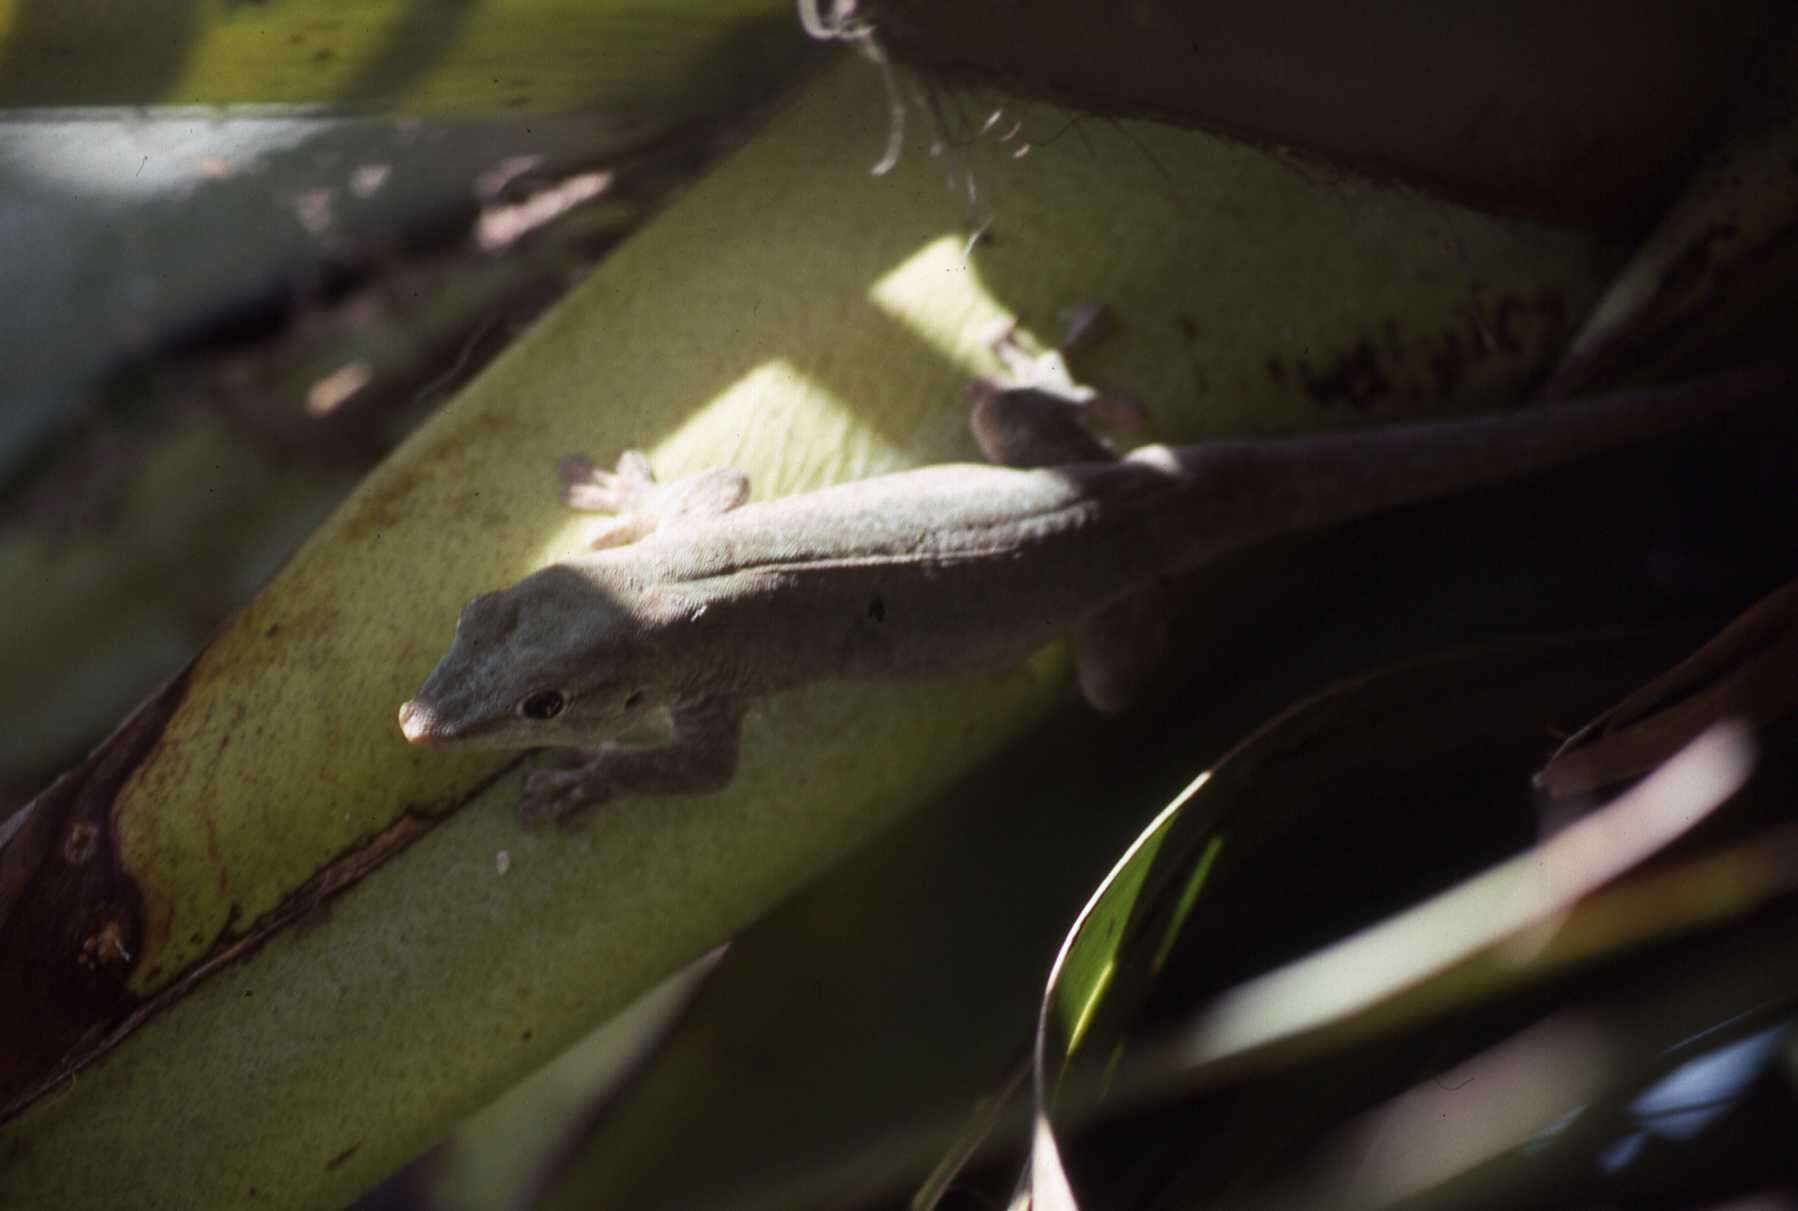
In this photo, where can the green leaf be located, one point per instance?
(795, 317)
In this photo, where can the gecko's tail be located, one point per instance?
(1253, 490)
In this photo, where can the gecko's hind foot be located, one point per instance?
(1041, 417)
(1032, 427)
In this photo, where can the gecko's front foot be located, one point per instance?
(638, 504)
(700, 758)
(565, 796)
(627, 493)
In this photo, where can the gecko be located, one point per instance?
(695, 604)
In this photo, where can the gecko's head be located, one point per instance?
(552, 660)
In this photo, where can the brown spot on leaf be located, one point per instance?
(71, 918)
(1523, 329)
(32, 1064)
(1354, 377)
(448, 456)
(382, 508)
(341, 1157)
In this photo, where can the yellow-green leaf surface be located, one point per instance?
(796, 317)
(474, 57)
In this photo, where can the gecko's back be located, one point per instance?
(966, 564)
(941, 568)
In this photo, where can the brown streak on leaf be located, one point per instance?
(1370, 371)
(380, 509)
(71, 919)
(99, 1036)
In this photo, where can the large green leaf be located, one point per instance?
(795, 317)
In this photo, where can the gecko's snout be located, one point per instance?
(417, 723)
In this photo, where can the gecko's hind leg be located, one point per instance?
(1042, 417)
(638, 504)
(1120, 652)
(1031, 427)
(1043, 422)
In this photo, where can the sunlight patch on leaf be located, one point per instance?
(912, 294)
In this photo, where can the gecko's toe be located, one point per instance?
(634, 465)
(532, 816)
(544, 791)
(566, 797)
(1000, 332)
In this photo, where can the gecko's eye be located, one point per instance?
(544, 704)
